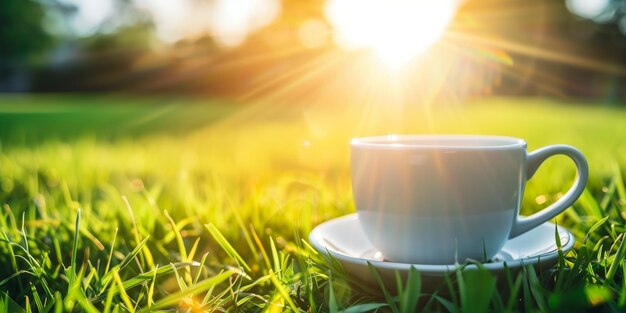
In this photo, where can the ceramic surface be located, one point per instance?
(344, 239)
(457, 197)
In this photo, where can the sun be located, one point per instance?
(397, 30)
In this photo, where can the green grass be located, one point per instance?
(144, 204)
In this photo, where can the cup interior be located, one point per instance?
(438, 141)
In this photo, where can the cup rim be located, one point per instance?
(401, 141)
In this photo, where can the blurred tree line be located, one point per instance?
(22, 36)
(22, 32)
(39, 52)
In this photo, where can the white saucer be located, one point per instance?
(344, 239)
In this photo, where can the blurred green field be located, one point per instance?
(150, 173)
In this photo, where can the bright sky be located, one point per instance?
(90, 14)
(397, 30)
(597, 10)
(229, 21)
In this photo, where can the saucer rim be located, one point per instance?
(314, 237)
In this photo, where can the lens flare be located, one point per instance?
(397, 30)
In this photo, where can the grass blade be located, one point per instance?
(411, 293)
(476, 288)
(122, 292)
(536, 289)
(228, 248)
(176, 298)
(333, 307)
(257, 240)
(179, 238)
(619, 256)
(621, 302)
(147, 276)
(390, 300)
(451, 307)
(513, 293)
(75, 249)
(594, 227)
(36, 297)
(281, 289)
(200, 267)
(108, 277)
(590, 205)
(275, 258)
(364, 307)
(106, 269)
(150, 299)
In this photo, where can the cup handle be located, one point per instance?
(534, 160)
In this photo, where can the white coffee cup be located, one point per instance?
(441, 199)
